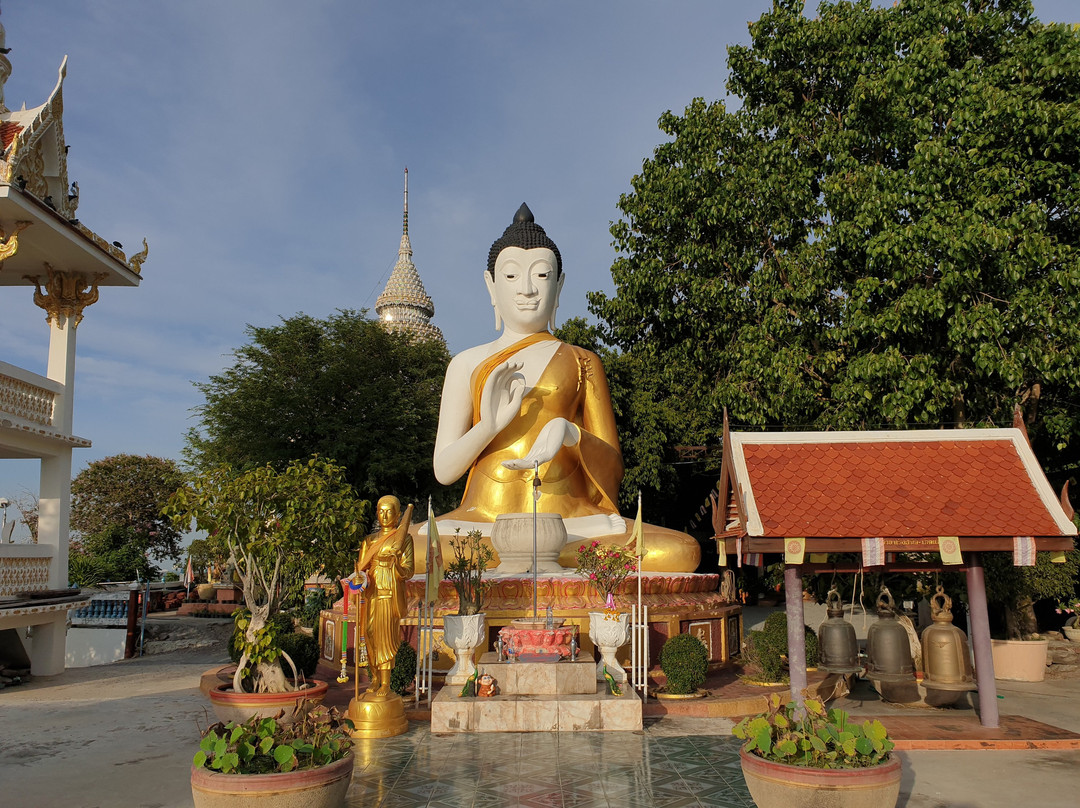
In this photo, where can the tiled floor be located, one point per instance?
(548, 770)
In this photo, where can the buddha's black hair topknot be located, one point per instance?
(525, 233)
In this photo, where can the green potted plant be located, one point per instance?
(1070, 609)
(1019, 652)
(274, 523)
(465, 630)
(273, 764)
(684, 659)
(606, 567)
(792, 755)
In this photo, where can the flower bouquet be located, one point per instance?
(605, 566)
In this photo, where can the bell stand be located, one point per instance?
(977, 612)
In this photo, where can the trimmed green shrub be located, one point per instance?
(768, 647)
(302, 649)
(404, 672)
(684, 661)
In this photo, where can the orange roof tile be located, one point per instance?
(8, 130)
(894, 488)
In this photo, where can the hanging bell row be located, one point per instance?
(836, 639)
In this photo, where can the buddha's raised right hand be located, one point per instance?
(500, 401)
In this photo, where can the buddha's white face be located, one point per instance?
(525, 290)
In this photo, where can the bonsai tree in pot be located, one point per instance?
(465, 630)
(309, 760)
(793, 753)
(1012, 591)
(273, 523)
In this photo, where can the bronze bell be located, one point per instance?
(836, 639)
(888, 649)
(946, 658)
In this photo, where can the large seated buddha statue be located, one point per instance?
(528, 398)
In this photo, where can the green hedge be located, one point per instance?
(684, 659)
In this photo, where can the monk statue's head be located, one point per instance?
(388, 511)
(524, 276)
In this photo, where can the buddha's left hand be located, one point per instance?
(556, 434)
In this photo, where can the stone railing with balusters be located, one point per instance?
(27, 396)
(24, 568)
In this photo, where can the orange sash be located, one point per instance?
(485, 368)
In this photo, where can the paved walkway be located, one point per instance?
(124, 734)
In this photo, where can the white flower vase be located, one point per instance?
(463, 633)
(609, 632)
(1072, 629)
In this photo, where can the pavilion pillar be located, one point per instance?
(980, 642)
(796, 636)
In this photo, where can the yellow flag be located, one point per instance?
(794, 549)
(434, 558)
(721, 551)
(1057, 556)
(949, 547)
(819, 558)
(637, 535)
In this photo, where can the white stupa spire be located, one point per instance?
(404, 305)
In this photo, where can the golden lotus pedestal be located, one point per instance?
(378, 716)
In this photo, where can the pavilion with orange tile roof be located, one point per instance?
(912, 490)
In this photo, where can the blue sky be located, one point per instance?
(259, 147)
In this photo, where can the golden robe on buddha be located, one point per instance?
(581, 480)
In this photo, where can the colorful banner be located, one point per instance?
(949, 547)
(434, 558)
(873, 552)
(794, 549)
(1023, 551)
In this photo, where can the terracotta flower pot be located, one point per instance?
(324, 787)
(239, 707)
(778, 785)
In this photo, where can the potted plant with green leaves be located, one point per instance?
(268, 763)
(276, 525)
(1019, 652)
(794, 754)
(465, 630)
(606, 567)
(1070, 609)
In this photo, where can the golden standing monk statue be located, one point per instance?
(528, 397)
(386, 558)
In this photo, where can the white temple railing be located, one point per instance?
(639, 649)
(26, 395)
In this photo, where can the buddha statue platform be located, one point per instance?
(678, 603)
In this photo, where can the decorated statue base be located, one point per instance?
(378, 716)
(554, 642)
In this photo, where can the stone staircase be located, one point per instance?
(538, 697)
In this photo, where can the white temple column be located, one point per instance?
(49, 640)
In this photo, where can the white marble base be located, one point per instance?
(598, 711)
(562, 678)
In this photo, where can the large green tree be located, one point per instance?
(343, 388)
(116, 516)
(881, 230)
